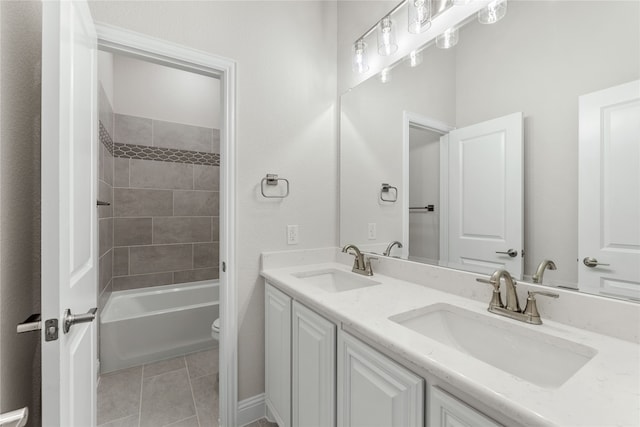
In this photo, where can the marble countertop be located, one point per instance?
(604, 392)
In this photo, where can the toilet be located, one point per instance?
(215, 329)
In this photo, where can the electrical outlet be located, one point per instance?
(371, 231)
(292, 234)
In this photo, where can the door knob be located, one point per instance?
(511, 252)
(72, 319)
(592, 262)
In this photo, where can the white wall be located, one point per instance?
(105, 73)
(158, 92)
(286, 124)
(20, 52)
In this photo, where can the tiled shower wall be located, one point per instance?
(105, 194)
(165, 216)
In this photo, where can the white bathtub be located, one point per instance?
(145, 325)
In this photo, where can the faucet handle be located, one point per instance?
(543, 293)
(496, 299)
(531, 309)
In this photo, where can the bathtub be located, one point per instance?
(146, 325)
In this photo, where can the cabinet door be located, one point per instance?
(447, 411)
(277, 348)
(375, 391)
(314, 369)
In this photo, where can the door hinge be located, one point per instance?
(51, 330)
(224, 266)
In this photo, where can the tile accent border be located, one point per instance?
(105, 138)
(145, 152)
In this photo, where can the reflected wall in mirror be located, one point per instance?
(539, 60)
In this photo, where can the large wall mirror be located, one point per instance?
(519, 144)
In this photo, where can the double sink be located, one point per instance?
(524, 351)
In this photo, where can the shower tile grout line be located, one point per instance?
(141, 392)
(193, 397)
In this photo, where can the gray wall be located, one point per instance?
(166, 211)
(20, 41)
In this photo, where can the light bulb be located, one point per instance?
(386, 37)
(385, 75)
(360, 64)
(493, 12)
(447, 39)
(415, 58)
(419, 15)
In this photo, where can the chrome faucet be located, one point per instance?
(546, 263)
(530, 313)
(362, 264)
(387, 252)
(512, 296)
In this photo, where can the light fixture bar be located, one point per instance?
(436, 12)
(373, 28)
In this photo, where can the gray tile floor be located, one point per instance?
(179, 392)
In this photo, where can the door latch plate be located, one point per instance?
(51, 330)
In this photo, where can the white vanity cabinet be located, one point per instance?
(314, 369)
(277, 351)
(319, 376)
(373, 390)
(448, 411)
(300, 368)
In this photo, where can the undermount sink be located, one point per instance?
(332, 280)
(533, 356)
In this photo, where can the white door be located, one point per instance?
(69, 228)
(609, 192)
(486, 196)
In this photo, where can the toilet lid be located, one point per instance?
(216, 325)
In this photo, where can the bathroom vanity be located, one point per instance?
(414, 345)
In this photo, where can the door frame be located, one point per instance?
(121, 41)
(413, 119)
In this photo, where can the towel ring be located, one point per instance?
(272, 179)
(386, 188)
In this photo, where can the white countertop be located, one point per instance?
(604, 392)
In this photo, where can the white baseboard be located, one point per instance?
(251, 409)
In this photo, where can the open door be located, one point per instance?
(69, 228)
(609, 192)
(485, 218)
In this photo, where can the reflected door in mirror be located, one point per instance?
(609, 196)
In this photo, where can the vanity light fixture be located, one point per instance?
(493, 12)
(385, 75)
(415, 58)
(386, 37)
(360, 64)
(448, 39)
(419, 15)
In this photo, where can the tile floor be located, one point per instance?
(179, 392)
